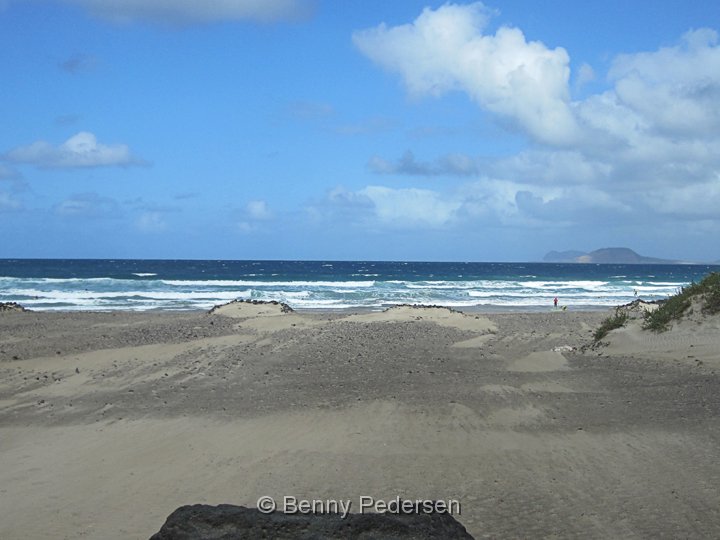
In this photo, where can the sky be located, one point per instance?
(358, 130)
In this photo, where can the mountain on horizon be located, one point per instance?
(614, 255)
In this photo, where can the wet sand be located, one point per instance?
(110, 421)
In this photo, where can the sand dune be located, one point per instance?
(108, 422)
(694, 339)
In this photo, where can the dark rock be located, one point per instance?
(284, 308)
(229, 522)
(11, 306)
(637, 304)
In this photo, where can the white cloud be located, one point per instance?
(445, 50)
(151, 222)
(246, 227)
(381, 207)
(699, 201)
(343, 206)
(252, 216)
(649, 142)
(662, 111)
(410, 207)
(675, 90)
(79, 151)
(386, 207)
(258, 210)
(670, 92)
(658, 128)
(571, 206)
(486, 202)
(196, 11)
(584, 75)
(552, 168)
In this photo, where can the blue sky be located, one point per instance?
(405, 130)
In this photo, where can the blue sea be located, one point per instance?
(101, 285)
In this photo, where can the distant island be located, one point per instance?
(618, 255)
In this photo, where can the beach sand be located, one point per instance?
(110, 421)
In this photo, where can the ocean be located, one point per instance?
(125, 284)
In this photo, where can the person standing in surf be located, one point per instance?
(555, 301)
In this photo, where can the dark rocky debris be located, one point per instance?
(226, 522)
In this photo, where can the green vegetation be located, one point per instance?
(611, 323)
(707, 292)
(711, 304)
(670, 310)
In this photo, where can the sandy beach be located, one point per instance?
(110, 421)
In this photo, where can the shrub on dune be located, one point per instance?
(706, 294)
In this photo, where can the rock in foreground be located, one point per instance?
(226, 522)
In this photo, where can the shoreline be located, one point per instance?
(485, 308)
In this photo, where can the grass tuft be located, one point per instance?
(711, 300)
(706, 291)
(611, 323)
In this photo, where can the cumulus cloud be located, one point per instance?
(647, 145)
(410, 207)
(670, 92)
(585, 75)
(658, 127)
(252, 215)
(674, 90)
(341, 205)
(372, 206)
(485, 202)
(698, 202)
(196, 12)
(574, 205)
(445, 50)
(79, 151)
(559, 167)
